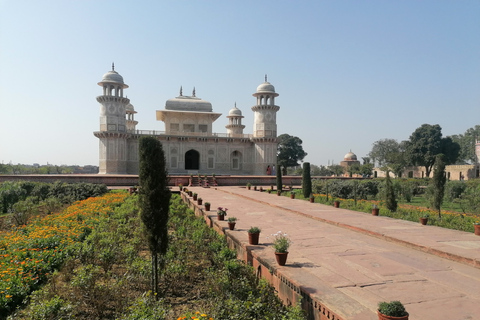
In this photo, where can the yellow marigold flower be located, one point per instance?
(8, 296)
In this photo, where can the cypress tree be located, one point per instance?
(390, 201)
(279, 177)
(438, 183)
(154, 201)
(306, 180)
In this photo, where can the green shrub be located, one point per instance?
(392, 309)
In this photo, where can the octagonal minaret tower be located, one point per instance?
(265, 123)
(113, 129)
(235, 126)
(265, 127)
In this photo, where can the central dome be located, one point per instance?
(186, 103)
(266, 87)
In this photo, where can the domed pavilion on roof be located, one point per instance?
(189, 144)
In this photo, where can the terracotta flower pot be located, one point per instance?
(336, 204)
(423, 221)
(375, 211)
(199, 201)
(253, 238)
(207, 207)
(279, 193)
(312, 200)
(195, 197)
(220, 217)
(477, 229)
(292, 196)
(231, 225)
(384, 317)
(281, 258)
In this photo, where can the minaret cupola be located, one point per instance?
(112, 102)
(235, 126)
(265, 123)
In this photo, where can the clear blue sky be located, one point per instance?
(348, 73)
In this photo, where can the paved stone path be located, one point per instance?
(351, 260)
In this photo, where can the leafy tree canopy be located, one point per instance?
(289, 150)
(467, 142)
(426, 142)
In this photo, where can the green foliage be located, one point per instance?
(426, 143)
(467, 142)
(281, 242)
(454, 189)
(12, 192)
(154, 199)
(289, 151)
(392, 309)
(306, 180)
(390, 199)
(254, 230)
(438, 183)
(279, 178)
(338, 188)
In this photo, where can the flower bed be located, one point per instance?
(450, 219)
(28, 254)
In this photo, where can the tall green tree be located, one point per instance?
(390, 199)
(289, 151)
(306, 180)
(426, 143)
(279, 178)
(390, 154)
(438, 184)
(467, 143)
(154, 200)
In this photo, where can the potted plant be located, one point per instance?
(180, 186)
(336, 204)
(281, 243)
(312, 198)
(279, 192)
(195, 196)
(255, 188)
(261, 189)
(199, 201)
(253, 235)
(231, 222)
(393, 310)
(292, 195)
(207, 206)
(375, 210)
(221, 213)
(249, 185)
(269, 191)
(424, 219)
(476, 225)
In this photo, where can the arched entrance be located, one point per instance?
(192, 160)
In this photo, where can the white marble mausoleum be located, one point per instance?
(188, 142)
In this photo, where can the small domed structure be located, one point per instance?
(130, 109)
(266, 87)
(235, 112)
(350, 157)
(112, 77)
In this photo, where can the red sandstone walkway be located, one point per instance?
(349, 261)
